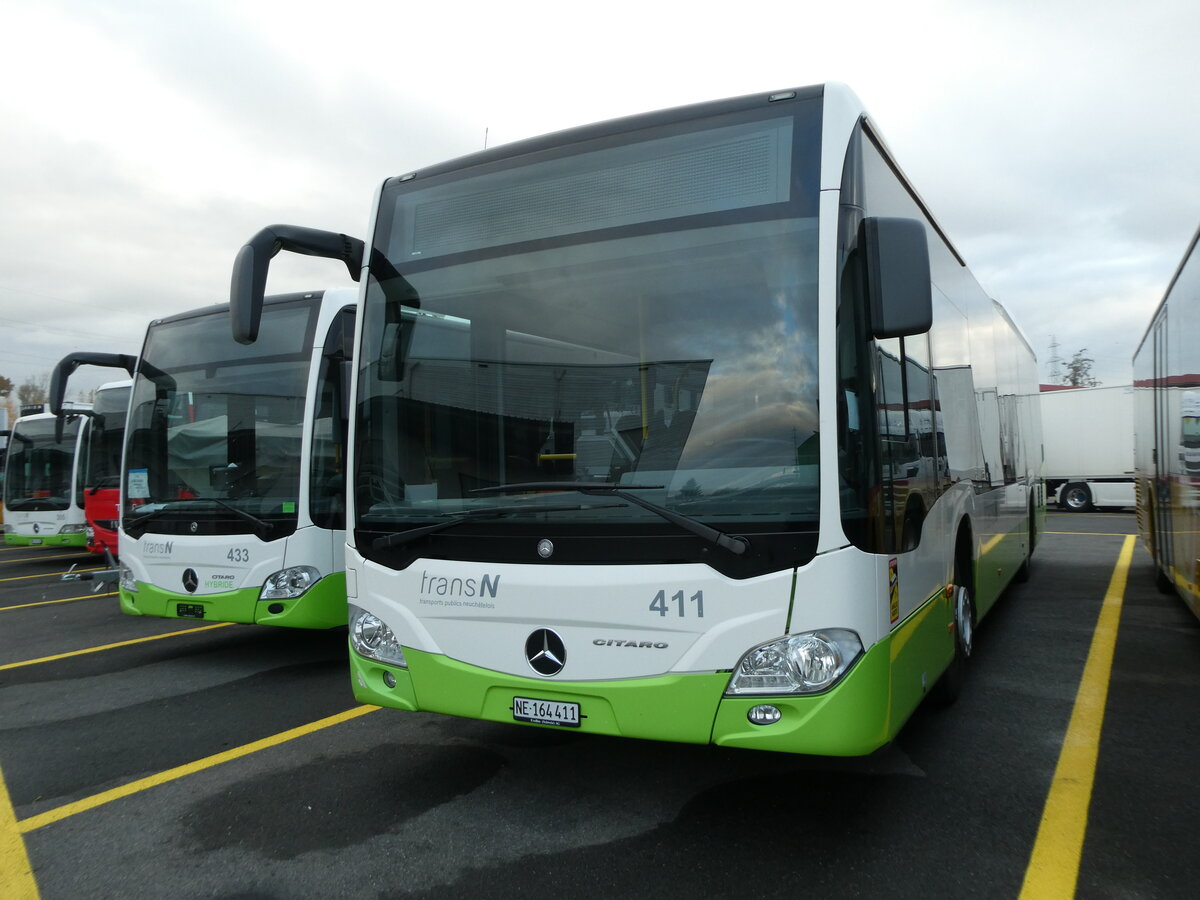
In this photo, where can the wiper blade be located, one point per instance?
(492, 512)
(733, 543)
(262, 528)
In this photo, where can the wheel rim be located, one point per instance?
(1076, 499)
(964, 619)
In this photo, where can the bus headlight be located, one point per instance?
(371, 638)
(128, 582)
(73, 529)
(801, 664)
(288, 584)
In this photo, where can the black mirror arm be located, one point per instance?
(249, 283)
(72, 361)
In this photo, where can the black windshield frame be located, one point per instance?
(58, 483)
(211, 419)
(627, 535)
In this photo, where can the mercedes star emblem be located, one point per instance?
(546, 652)
(190, 581)
(195, 526)
(545, 548)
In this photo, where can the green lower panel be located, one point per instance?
(322, 606)
(857, 716)
(853, 719)
(48, 540)
(666, 708)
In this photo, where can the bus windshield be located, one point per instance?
(39, 467)
(638, 311)
(107, 438)
(215, 427)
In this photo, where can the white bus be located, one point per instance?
(233, 475)
(1166, 373)
(688, 426)
(44, 480)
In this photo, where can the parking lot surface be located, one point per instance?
(154, 758)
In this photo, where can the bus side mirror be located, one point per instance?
(72, 361)
(249, 282)
(898, 276)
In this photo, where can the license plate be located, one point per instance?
(545, 712)
(189, 610)
(35, 542)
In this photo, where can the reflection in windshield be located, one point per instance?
(686, 360)
(107, 438)
(213, 420)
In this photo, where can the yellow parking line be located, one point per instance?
(40, 558)
(141, 640)
(1093, 533)
(63, 600)
(16, 874)
(1054, 864)
(57, 814)
(48, 574)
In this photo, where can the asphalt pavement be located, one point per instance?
(159, 758)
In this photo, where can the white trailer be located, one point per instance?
(1087, 436)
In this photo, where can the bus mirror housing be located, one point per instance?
(249, 283)
(72, 361)
(898, 276)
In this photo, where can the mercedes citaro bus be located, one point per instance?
(44, 479)
(690, 426)
(233, 468)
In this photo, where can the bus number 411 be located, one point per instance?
(662, 605)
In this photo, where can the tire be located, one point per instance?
(1076, 497)
(1023, 573)
(1163, 582)
(950, 685)
(1027, 566)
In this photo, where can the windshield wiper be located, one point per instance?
(262, 528)
(492, 512)
(733, 543)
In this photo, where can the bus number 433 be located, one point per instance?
(661, 604)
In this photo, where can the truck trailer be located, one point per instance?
(1087, 436)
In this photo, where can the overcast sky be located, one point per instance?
(141, 143)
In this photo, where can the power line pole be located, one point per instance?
(1055, 361)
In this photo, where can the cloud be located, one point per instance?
(144, 142)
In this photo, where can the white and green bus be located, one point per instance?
(233, 475)
(44, 479)
(1166, 372)
(689, 426)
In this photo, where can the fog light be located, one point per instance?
(389, 679)
(275, 608)
(764, 714)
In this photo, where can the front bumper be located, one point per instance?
(851, 719)
(321, 606)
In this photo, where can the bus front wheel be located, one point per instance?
(950, 685)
